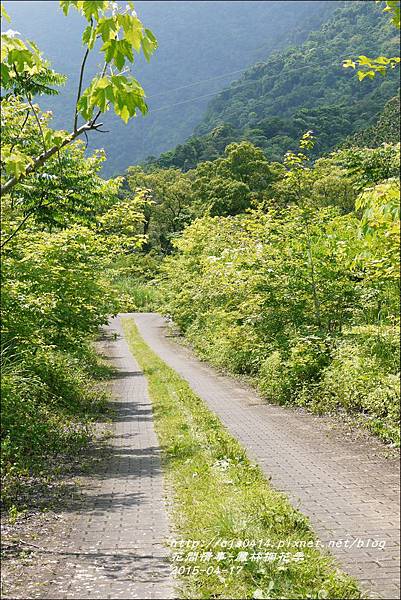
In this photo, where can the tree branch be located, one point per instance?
(38, 123)
(21, 130)
(24, 220)
(81, 79)
(95, 118)
(42, 158)
(30, 213)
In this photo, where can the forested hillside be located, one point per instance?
(300, 88)
(385, 130)
(202, 47)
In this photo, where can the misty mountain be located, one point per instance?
(302, 87)
(203, 46)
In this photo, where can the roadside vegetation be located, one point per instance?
(284, 272)
(303, 296)
(220, 495)
(134, 279)
(63, 225)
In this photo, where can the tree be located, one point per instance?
(380, 228)
(25, 74)
(169, 204)
(62, 226)
(369, 67)
(70, 189)
(231, 184)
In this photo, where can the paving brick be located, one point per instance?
(115, 543)
(345, 485)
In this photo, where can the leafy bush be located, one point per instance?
(363, 377)
(48, 401)
(303, 297)
(62, 225)
(273, 378)
(53, 299)
(55, 294)
(223, 340)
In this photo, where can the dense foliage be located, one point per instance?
(226, 186)
(60, 232)
(300, 88)
(304, 296)
(385, 130)
(62, 224)
(24, 75)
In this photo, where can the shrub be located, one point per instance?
(273, 379)
(362, 379)
(47, 406)
(299, 298)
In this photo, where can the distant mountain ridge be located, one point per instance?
(300, 88)
(218, 37)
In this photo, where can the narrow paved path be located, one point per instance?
(114, 544)
(345, 485)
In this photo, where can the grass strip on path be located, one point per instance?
(236, 537)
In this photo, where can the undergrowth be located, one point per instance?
(49, 403)
(133, 278)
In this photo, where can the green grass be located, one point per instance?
(220, 495)
(134, 280)
(134, 296)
